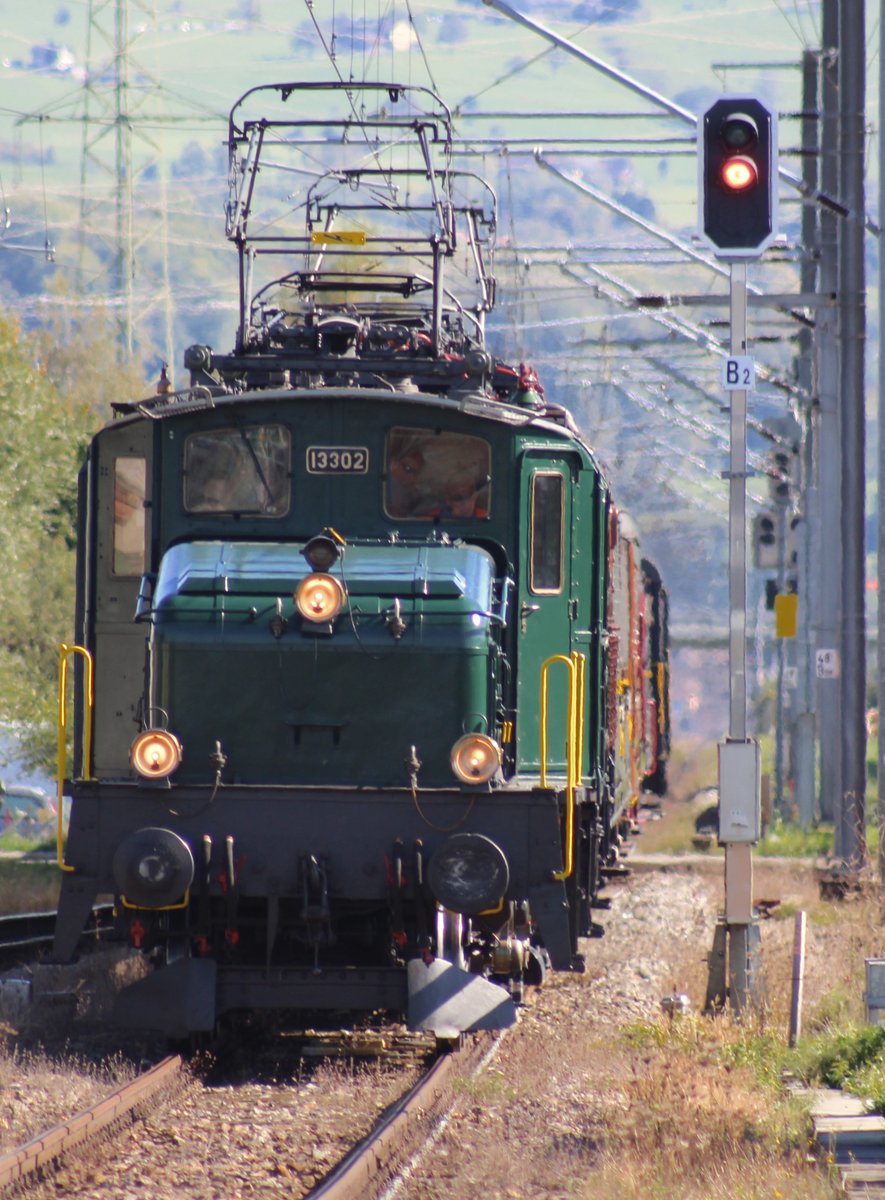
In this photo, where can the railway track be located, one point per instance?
(41, 1153)
(363, 1172)
(22, 935)
(374, 1164)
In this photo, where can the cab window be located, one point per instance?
(130, 475)
(547, 532)
(243, 470)
(436, 475)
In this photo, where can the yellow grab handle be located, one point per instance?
(575, 665)
(65, 652)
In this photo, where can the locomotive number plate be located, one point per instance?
(337, 460)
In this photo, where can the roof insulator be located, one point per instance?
(529, 392)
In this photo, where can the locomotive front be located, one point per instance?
(324, 782)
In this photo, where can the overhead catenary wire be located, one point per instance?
(815, 194)
(693, 423)
(620, 292)
(419, 39)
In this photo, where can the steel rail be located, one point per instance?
(47, 1148)
(30, 931)
(370, 1163)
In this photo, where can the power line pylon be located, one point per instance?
(117, 101)
(110, 107)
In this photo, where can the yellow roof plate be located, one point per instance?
(347, 237)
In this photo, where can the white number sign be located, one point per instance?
(738, 373)
(827, 663)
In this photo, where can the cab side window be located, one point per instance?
(130, 477)
(243, 470)
(436, 475)
(548, 490)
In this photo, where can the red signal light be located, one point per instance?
(739, 173)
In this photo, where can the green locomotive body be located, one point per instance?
(348, 731)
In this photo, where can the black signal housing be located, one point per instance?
(737, 150)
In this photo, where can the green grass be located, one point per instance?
(674, 833)
(731, 1043)
(791, 841)
(852, 1059)
(17, 841)
(835, 1008)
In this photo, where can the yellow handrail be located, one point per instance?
(575, 665)
(65, 652)
(580, 661)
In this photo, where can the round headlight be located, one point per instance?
(475, 758)
(322, 551)
(153, 868)
(468, 873)
(320, 598)
(155, 753)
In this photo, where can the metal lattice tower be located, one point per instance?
(119, 98)
(110, 108)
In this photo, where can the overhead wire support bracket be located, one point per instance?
(759, 299)
(678, 243)
(678, 325)
(242, 182)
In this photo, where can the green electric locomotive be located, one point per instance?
(358, 722)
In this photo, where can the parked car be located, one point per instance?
(20, 803)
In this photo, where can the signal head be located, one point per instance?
(737, 176)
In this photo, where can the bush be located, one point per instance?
(43, 431)
(853, 1060)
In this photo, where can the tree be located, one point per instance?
(75, 349)
(43, 435)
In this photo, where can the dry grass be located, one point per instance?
(39, 1090)
(692, 775)
(840, 935)
(691, 1109)
(583, 1105)
(673, 833)
(701, 1116)
(670, 1112)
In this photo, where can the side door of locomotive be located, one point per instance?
(119, 555)
(544, 609)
